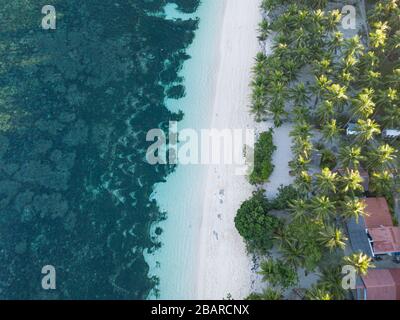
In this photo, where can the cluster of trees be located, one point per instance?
(354, 82)
(263, 151)
(256, 225)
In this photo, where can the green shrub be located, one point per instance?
(263, 150)
(256, 225)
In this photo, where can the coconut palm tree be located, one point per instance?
(267, 294)
(362, 105)
(302, 147)
(379, 34)
(381, 183)
(320, 87)
(350, 157)
(323, 65)
(336, 42)
(299, 94)
(353, 47)
(299, 209)
(300, 164)
(331, 131)
(322, 207)
(303, 183)
(382, 157)
(331, 280)
(332, 20)
(325, 111)
(352, 181)
(333, 238)
(367, 129)
(301, 130)
(292, 252)
(371, 79)
(258, 107)
(264, 30)
(337, 94)
(326, 181)
(318, 293)
(360, 261)
(353, 208)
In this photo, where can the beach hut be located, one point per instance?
(379, 284)
(375, 234)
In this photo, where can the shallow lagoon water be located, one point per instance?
(75, 106)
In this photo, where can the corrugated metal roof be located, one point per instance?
(386, 239)
(358, 236)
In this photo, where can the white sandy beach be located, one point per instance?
(224, 266)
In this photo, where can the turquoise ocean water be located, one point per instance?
(75, 105)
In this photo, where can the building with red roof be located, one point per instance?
(379, 284)
(378, 213)
(375, 234)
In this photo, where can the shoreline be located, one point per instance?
(175, 262)
(223, 264)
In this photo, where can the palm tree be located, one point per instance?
(292, 252)
(371, 79)
(378, 35)
(353, 47)
(360, 261)
(381, 183)
(326, 181)
(323, 65)
(333, 19)
(302, 147)
(363, 105)
(331, 280)
(267, 294)
(302, 130)
(331, 131)
(300, 164)
(337, 94)
(382, 157)
(299, 209)
(352, 181)
(320, 87)
(264, 30)
(353, 208)
(318, 293)
(333, 238)
(303, 183)
(336, 42)
(322, 207)
(258, 107)
(299, 94)
(350, 157)
(367, 129)
(326, 111)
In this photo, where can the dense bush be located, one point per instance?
(263, 150)
(256, 225)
